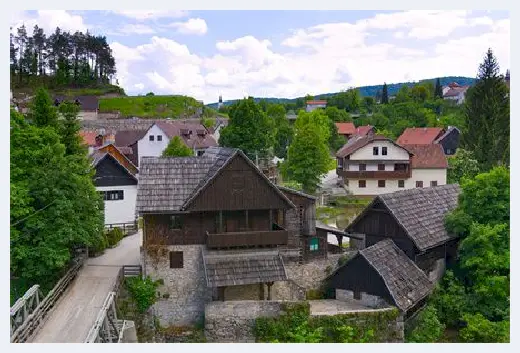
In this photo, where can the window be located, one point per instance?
(113, 195)
(340, 162)
(433, 183)
(381, 183)
(380, 167)
(151, 137)
(448, 151)
(200, 153)
(313, 245)
(175, 222)
(362, 183)
(418, 184)
(375, 151)
(176, 259)
(159, 137)
(301, 214)
(362, 167)
(384, 151)
(400, 183)
(399, 166)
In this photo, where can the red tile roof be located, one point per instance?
(317, 102)
(346, 128)
(89, 137)
(363, 130)
(427, 156)
(419, 135)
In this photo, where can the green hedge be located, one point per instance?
(296, 325)
(114, 236)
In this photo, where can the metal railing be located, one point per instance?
(29, 312)
(130, 227)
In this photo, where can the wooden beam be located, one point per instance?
(220, 228)
(269, 284)
(247, 219)
(270, 219)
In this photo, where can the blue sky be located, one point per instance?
(284, 53)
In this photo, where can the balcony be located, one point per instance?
(247, 239)
(374, 174)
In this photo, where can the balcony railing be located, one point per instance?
(375, 174)
(247, 239)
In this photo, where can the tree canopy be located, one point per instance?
(177, 148)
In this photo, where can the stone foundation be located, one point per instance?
(371, 301)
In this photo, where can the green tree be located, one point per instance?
(384, 94)
(480, 330)
(487, 116)
(337, 115)
(438, 89)
(69, 129)
(307, 158)
(462, 165)
(449, 299)
(283, 130)
(43, 113)
(249, 129)
(428, 327)
(56, 194)
(318, 120)
(177, 148)
(403, 95)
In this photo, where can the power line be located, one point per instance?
(41, 209)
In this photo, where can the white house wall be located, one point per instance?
(147, 148)
(120, 211)
(393, 152)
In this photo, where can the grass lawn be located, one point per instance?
(150, 106)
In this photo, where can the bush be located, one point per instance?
(480, 330)
(143, 291)
(428, 328)
(99, 245)
(114, 236)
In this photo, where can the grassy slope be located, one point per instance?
(150, 106)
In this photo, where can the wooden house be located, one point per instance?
(379, 275)
(414, 220)
(116, 179)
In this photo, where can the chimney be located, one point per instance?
(110, 138)
(99, 140)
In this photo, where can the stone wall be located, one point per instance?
(372, 301)
(244, 292)
(185, 287)
(234, 321)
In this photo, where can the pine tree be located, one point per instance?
(43, 113)
(438, 89)
(486, 115)
(69, 129)
(384, 95)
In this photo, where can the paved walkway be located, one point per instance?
(333, 307)
(76, 312)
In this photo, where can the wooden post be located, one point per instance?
(220, 228)
(262, 294)
(269, 284)
(270, 219)
(247, 220)
(340, 242)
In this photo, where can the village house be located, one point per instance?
(88, 105)
(447, 138)
(455, 92)
(345, 129)
(382, 275)
(374, 164)
(414, 221)
(115, 178)
(315, 104)
(216, 229)
(158, 136)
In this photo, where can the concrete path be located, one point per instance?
(326, 307)
(76, 312)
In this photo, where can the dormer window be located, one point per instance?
(375, 151)
(159, 137)
(384, 151)
(151, 137)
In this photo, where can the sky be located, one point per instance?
(286, 54)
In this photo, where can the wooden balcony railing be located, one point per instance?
(247, 239)
(374, 174)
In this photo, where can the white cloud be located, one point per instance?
(143, 15)
(49, 20)
(195, 26)
(129, 29)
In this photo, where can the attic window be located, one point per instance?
(151, 137)
(159, 137)
(384, 151)
(175, 222)
(375, 151)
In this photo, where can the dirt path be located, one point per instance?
(77, 310)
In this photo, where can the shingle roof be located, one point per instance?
(419, 135)
(128, 137)
(89, 137)
(171, 184)
(233, 269)
(346, 128)
(448, 131)
(427, 156)
(97, 156)
(421, 212)
(357, 141)
(363, 130)
(296, 192)
(192, 139)
(86, 102)
(406, 283)
(455, 91)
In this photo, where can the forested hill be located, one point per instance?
(61, 61)
(370, 91)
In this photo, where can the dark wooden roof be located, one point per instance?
(405, 281)
(86, 102)
(170, 184)
(420, 212)
(296, 192)
(129, 137)
(233, 269)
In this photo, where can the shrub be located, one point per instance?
(480, 330)
(100, 244)
(143, 291)
(114, 236)
(428, 328)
